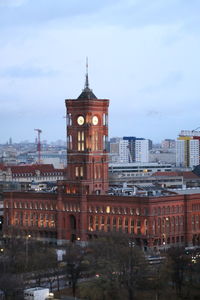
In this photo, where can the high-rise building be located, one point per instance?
(129, 149)
(119, 150)
(168, 144)
(138, 149)
(188, 149)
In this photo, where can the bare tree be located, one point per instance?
(76, 264)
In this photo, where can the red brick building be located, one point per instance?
(82, 208)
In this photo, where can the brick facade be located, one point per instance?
(81, 207)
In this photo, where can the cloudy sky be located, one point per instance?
(144, 55)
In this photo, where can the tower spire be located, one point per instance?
(87, 93)
(86, 76)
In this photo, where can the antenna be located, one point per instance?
(86, 76)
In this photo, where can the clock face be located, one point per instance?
(95, 120)
(80, 120)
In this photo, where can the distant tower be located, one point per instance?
(87, 133)
(39, 131)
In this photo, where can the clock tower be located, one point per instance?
(87, 134)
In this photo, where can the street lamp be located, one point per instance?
(27, 238)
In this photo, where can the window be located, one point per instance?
(107, 209)
(114, 224)
(47, 220)
(137, 211)
(102, 223)
(108, 224)
(69, 119)
(95, 141)
(80, 140)
(52, 221)
(76, 171)
(105, 119)
(120, 224)
(126, 225)
(96, 223)
(159, 210)
(31, 219)
(26, 220)
(132, 226)
(79, 172)
(41, 220)
(90, 223)
(105, 142)
(138, 227)
(16, 219)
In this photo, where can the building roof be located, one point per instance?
(185, 174)
(164, 174)
(87, 94)
(197, 170)
(31, 169)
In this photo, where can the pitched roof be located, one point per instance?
(170, 174)
(31, 169)
(184, 174)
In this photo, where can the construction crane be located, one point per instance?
(39, 131)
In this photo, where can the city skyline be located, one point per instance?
(143, 56)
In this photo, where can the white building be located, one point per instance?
(188, 149)
(124, 152)
(142, 151)
(119, 150)
(129, 150)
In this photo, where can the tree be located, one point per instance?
(76, 264)
(119, 265)
(179, 266)
(12, 285)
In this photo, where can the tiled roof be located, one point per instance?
(31, 169)
(185, 174)
(166, 174)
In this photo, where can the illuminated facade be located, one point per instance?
(81, 208)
